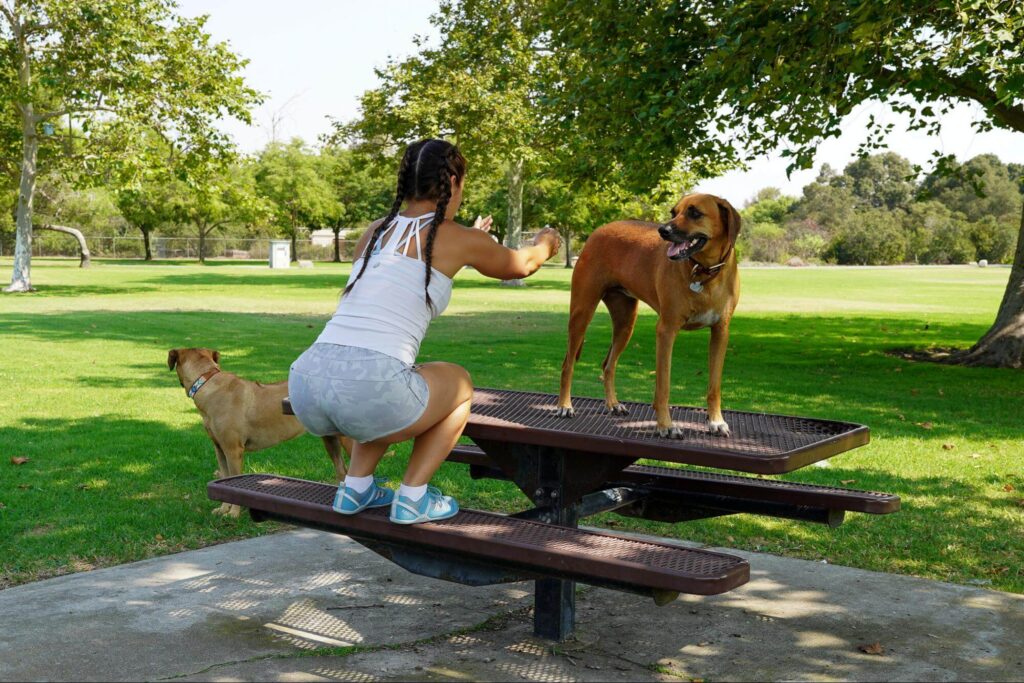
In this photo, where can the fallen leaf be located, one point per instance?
(941, 392)
(924, 425)
(4, 507)
(24, 486)
(20, 460)
(897, 369)
(915, 392)
(847, 481)
(902, 417)
(948, 446)
(159, 537)
(872, 649)
(1020, 502)
(975, 455)
(1008, 488)
(82, 487)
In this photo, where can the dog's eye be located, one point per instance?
(694, 213)
(673, 212)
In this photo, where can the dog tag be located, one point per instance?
(696, 287)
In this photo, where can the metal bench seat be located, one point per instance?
(714, 484)
(530, 549)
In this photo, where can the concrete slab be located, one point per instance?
(258, 609)
(273, 595)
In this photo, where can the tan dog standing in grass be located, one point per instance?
(241, 416)
(685, 270)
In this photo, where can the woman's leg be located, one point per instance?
(438, 429)
(365, 457)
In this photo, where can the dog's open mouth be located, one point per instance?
(689, 246)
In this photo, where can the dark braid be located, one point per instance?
(445, 187)
(425, 173)
(396, 206)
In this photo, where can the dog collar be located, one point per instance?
(200, 381)
(700, 269)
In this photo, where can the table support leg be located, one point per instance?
(554, 601)
(554, 609)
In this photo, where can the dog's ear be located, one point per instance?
(172, 358)
(216, 356)
(730, 220)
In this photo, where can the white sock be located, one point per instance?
(413, 493)
(358, 484)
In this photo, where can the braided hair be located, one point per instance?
(425, 173)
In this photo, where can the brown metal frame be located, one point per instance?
(562, 554)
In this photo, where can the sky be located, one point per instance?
(314, 58)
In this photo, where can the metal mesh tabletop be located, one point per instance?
(761, 443)
(485, 535)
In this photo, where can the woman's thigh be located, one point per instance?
(450, 386)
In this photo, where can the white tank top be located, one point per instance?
(386, 311)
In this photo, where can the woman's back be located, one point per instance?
(387, 310)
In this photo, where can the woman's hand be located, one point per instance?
(550, 237)
(483, 223)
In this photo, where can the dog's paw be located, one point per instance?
(618, 409)
(222, 510)
(719, 427)
(566, 412)
(670, 432)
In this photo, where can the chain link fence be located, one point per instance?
(45, 243)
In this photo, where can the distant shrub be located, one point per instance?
(873, 237)
(994, 240)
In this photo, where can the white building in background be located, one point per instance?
(325, 238)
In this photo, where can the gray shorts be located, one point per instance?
(358, 392)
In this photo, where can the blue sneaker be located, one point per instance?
(348, 502)
(432, 507)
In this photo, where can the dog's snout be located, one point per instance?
(665, 230)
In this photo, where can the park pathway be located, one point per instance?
(264, 609)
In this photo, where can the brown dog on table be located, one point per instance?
(685, 270)
(241, 416)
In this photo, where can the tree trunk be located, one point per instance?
(567, 238)
(337, 247)
(295, 248)
(514, 231)
(21, 274)
(83, 248)
(145, 241)
(1003, 345)
(202, 244)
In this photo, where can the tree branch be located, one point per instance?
(72, 110)
(970, 85)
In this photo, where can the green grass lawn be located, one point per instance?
(118, 459)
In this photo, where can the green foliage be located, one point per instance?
(879, 181)
(764, 242)
(767, 208)
(645, 81)
(950, 243)
(873, 237)
(291, 178)
(982, 187)
(994, 240)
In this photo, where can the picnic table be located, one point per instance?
(571, 469)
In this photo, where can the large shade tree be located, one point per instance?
(480, 87)
(645, 80)
(130, 62)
